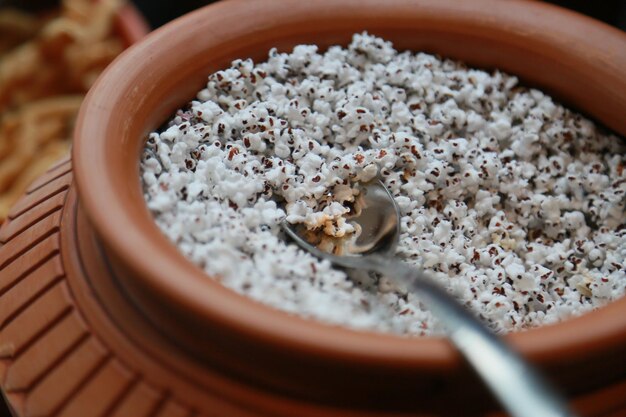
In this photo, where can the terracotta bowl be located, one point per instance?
(101, 315)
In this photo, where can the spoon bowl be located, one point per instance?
(376, 220)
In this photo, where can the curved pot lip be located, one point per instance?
(116, 209)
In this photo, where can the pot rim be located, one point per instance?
(117, 211)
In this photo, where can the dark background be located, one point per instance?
(159, 12)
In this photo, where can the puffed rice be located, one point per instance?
(513, 202)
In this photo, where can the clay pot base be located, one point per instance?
(73, 344)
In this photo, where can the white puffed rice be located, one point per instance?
(513, 202)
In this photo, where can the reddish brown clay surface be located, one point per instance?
(100, 315)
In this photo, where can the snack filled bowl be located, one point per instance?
(160, 326)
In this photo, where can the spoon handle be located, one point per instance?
(519, 387)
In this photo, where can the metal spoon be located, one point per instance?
(519, 387)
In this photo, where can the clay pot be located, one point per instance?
(100, 314)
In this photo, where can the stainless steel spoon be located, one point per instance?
(519, 387)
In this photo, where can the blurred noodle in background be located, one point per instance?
(48, 61)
